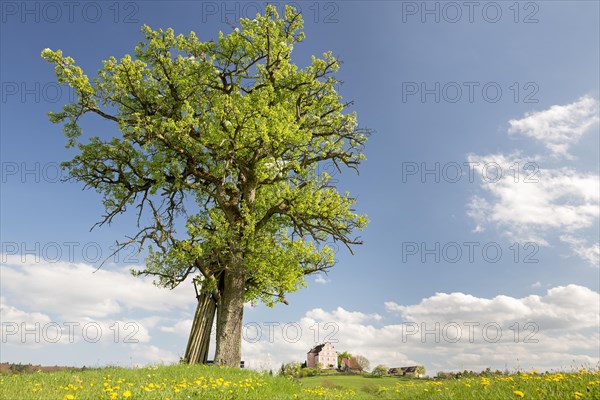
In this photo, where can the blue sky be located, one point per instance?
(492, 87)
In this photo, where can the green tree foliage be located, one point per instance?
(291, 369)
(341, 355)
(219, 152)
(380, 370)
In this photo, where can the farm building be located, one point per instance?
(404, 371)
(350, 365)
(324, 354)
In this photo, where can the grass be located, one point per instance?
(354, 382)
(159, 382)
(204, 382)
(557, 386)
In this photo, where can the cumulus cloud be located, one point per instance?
(560, 126)
(36, 329)
(180, 328)
(289, 341)
(341, 315)
(107, 315)
(554, 331)
(546, 331)
(16, 323)
(529, 205)
(562, 307)
(73, 290)
(543, 332)
(150, 354)
(531, 202)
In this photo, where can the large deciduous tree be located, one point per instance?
(363, 362)
(219, 149)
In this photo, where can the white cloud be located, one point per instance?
(151, 354)
(536, 284)
(563, 329)
(36, 329)
(531, 202)
(588, 252)
(180, 328)
(16, 323)
(553, 331)
(341, 315)
(561, 199)
(74, 290)
(322, 280)
(563, 307)
(559, 126)
(108, 316)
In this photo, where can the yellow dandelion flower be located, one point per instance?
(518, 393)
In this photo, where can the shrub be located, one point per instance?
(380, 370)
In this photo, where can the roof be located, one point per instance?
(351, 363)
(317, 349)
(406, 370)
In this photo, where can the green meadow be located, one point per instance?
(210, 382)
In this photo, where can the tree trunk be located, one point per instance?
(199, 340)
(230, 312)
